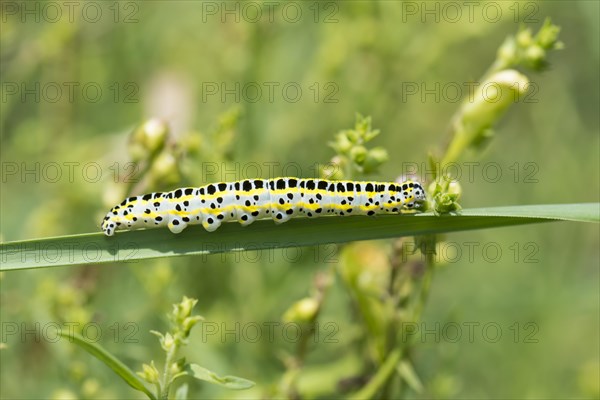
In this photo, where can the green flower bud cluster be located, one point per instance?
(530, 50)
(150, 373)
(353, 157)
(147, 139)
(182, 322)
(148, 145)
(445, 194)
(302, 311)
(165, 169)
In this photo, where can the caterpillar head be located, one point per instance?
(109, 224)
(420, 196)
(417, 199)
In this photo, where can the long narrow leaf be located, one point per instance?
(152, 243)
(230, 382)
(111, 361)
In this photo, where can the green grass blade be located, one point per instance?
(230, 382)
(96, 248)
(111, 361)
(585, 212)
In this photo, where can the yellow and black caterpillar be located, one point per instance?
(248, 200)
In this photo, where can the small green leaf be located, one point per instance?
(230, 382)
(111, 361)
(182, 392)
(408, 374)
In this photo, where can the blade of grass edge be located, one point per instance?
(111, 361)
(95, 248)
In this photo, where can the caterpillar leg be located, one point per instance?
(211, 223)
(176, 225)
(246, 219)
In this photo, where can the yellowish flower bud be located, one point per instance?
(547, 37)
(491, 99)
(342, 143)
(155, 134)
(184, 309)
(165, 169)
(90, 388)
(147, 139)
(524, 38)
(189, 323)
(167, 342)
(303, 310)
(149, 373)
(535, 55)
(358, 154)
(375, 157)
(454, 188)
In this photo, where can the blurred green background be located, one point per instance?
(65, 158)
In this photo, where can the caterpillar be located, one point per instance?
(248, 200)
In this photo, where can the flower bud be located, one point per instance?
(454, 188)
(303, 310)
(353, 136)
(189, 323)
(155, 134)
(64, 394)
(165, 169)
(184, 309)
(445, 194)
(149, 373)
(491, 99)
(547, 37)
(535, 55)
(167, 342)
(147, 139)
(508, 51)
(174, 369)
(342, 144)
(90, 388)
(358, 154)
(375, 157)
(524, 38)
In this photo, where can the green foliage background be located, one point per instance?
(370, 53)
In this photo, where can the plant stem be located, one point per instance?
(381, 377)
(425, 285)
(165, 380)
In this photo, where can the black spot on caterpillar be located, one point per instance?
(248, 200)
